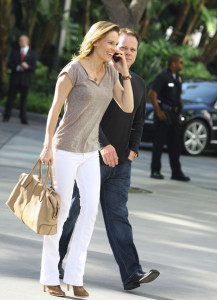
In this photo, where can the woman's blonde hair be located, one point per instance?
(96, 32)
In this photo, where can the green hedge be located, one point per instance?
(41, 92)
(152, 59)
(37, 102)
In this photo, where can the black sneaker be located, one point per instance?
(180, 177)
(5, 119)
(150, 276)
(157, 175)
(24, 121)
(141, 277)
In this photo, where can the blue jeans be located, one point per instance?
(115, 184)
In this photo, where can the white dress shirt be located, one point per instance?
(24, 51)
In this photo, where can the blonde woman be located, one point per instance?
(86, 85)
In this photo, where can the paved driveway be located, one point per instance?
(174, 225)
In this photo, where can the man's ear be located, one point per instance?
(173, 64)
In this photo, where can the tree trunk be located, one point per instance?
(29, 16)
(144, 27)
(32, 24)
(210, 51)
(5, 11)
(204, 38)
(47, 37)
(183, 12)
(125, 16)
(49, 30)
(86, 16)
(193, 22)
(211, 3)
(63, 31)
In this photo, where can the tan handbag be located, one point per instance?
(34, 203)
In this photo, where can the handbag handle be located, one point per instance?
(49, 174)
(40, 170)
(26, 179)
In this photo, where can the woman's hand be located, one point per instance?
(121, 65)
(46, 155)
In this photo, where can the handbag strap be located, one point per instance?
(51, 177)
(40, 169)
(27, 179)
(49, 174)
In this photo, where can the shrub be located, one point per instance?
(41, 92)
(44, 79)
(37, 102)
(152, 59)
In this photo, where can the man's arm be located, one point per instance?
(31, 66)
(153, 98)
(157, 86)
(12, 62)
(108, 152)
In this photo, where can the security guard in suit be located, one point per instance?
(165, 96)
(22, 62)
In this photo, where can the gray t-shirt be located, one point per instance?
(85, 105)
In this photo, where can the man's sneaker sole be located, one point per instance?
(131, 286)
(149, 276)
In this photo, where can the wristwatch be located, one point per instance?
(135, 155)
(126, 77)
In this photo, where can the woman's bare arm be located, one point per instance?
(124, 95)
(63, 87)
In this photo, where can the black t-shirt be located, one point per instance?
(168, 88)
(124, 130)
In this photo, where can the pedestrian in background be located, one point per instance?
(120, 135)
(86, 85)
(22, 62)
(165, 96)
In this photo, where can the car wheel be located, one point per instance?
(195, 137)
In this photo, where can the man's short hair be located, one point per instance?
(131, 32)
(173, 58)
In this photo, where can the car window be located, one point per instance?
(199, 91)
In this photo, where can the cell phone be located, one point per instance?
(115, 57)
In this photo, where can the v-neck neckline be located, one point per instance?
(90, 78)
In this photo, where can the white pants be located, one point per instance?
(67, 167)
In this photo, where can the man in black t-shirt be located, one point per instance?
(165, 96)
(119, 136)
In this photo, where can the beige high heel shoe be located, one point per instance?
(79, 291)
(54, 290)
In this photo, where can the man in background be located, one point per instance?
(165, 96)
(22, 62)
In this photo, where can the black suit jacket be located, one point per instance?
(17, 77)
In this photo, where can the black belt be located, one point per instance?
(171, 108)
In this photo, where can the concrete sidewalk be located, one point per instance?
(174, 225)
